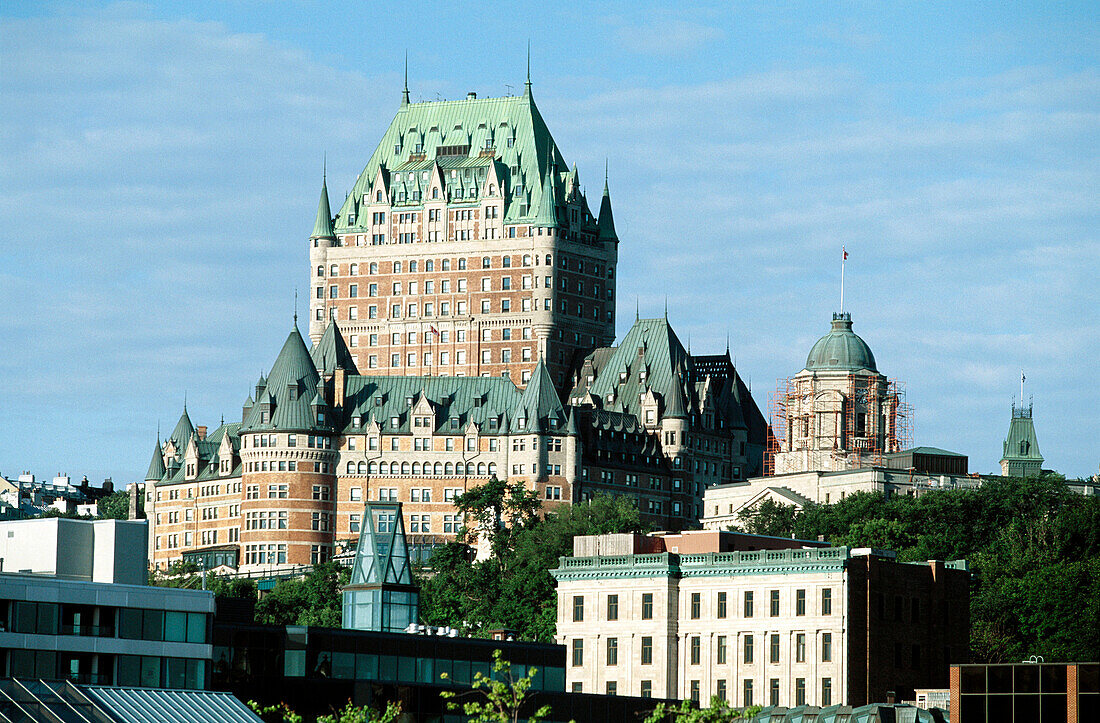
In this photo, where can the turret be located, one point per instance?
(606, 224)
(321, 239)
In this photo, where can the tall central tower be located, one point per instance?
(466, 247)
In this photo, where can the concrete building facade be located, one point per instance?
(786, 627)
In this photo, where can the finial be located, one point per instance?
(605, 170)
(185, 401)
(637, 308)
(666, 307)
(528, 84)
(324, 168)
(405, 93)
(295, 307)
(727, 343)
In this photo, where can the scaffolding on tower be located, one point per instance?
(777, 428)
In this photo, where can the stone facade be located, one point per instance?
(767, 627)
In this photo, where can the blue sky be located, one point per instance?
(160, 164)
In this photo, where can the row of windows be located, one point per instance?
(44, 618)
(290, 440)
(414, 469)
(721, 605)
(414, 266)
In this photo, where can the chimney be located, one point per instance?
(471, 96)
(201, 432)
(339, 381)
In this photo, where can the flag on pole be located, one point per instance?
(434, 330)
(845, 253)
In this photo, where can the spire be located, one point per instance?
(156, 466)
(322, 226)
(547, 216)
(405, 93)
(527, 85)
(674, 404)
(606, 222)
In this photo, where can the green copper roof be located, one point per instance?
(183, 431)
(291, 386)
(1022, 445)
(464, 399)
(652, 347)
(156, 466)
(331, 352)
(606, 221)
(539, 408)
(465, 138)
(322, 226)
(841, 349)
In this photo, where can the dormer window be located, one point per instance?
(378, 401)
(522, 423)
(395, 422)
(357, 421)
(408, 401)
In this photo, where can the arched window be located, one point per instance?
(351, 467)
(429, 265)
(492, 190)
(362, 468)
(397, 267)
(353, 270)
(374, 468)
(378, 197)
(484, 262)
(492, 468)
(481, 469)
(438, 469)
(412, 267)
(404, 468)
(320, 270)
(548, 260)
(448, 469)
(1024, 446)
(416, 468)
(333, 270)
(527, 260)
(374, 268)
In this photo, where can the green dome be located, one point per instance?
(841, 349)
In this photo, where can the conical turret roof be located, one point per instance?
(291, 386)
(322, 226)
(331, 352)
(156, 466)
(606, 222)
(539, 403)
(183, 431)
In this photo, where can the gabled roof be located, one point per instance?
(539, 407)
(331, 352)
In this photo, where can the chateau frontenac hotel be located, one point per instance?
(461, 327)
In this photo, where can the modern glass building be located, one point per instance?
(381, 595)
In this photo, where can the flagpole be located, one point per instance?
(843, 256)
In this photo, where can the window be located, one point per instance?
(773, 649)
(748, 649)
(827, 601)
(612, 651)
(721, 605)
(826, 691)
(612, 687)
(647, 650)
(578, 608)
(695, 692)
(748, 603)
(612, 603)
(721, 648)
(696, 605)
(826, 647)
(774, 604)
(747, 693)
(800, 691)
(800, 602)
(773, 692)
(800, 648)
(578, 652)
(696, 650)
(720, 689)
(647, 606)
(646, 689)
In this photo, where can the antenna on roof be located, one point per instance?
(637, 308)
(295, 307)
(666, 307)
(527, 85)
(185, 401)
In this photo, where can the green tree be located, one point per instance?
(497, 698)
(718, 712)
(312, 600)
(282, 713)
(498, 509)
(115, 506)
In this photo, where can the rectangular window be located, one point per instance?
(826, 691)
(800, 602)
(612, 687)
(720, 689)
(578, 608)
(826, 647)
(775, 603)
(647, 606)
(696, 605)
(646, 689)
(748, 649)
(747, 693)
(647, 650)
(800, 648)
(612, 651)
(721, 605)
(773, 692)
(748, 603)
(695, 692)
(578, 652)
(696, 650)
(827, 601)
(773, 649)
(721, 647)
(800, 691)
(612, 605)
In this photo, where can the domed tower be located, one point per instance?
(839, 412)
